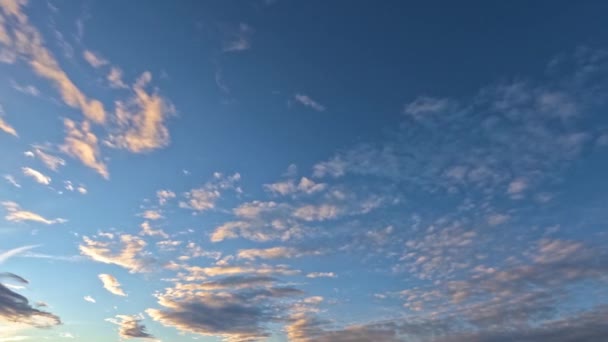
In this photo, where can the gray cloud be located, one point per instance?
(15, 308)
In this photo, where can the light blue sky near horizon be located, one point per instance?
(342, 171)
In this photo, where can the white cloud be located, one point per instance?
(15, 251)
(152, 215)
(95, 60)
(26, 42)
(516, 187)
(164, 195)
(426, 105)
(321, 275)
(50, 161)
(127, 252)
(5, 127)
(146, 229)
(16, 214)
(81, 144)
(115, 78)
(90, 299)
(111, 284)
(309, 102)
(317, 213)
(269, 253)
(36, 175)
(287, 187)
(205, 197)
(141, 119)
(11, 180)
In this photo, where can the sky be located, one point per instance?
(306, 171)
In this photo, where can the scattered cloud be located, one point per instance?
(12, 181)
(36, 175)
(115, 78)
(29, 46)
(307, 101)
(50, 161)
(239, 39)
(205, 197)
(321, 275)
(16, 214)
(141, 119)
(95, 60)
(5, 127)
(111, 284)
(147, 230)
(15, 251)
(90, 299)
(164, 196)
(15, 308)
(131, 326)
(81, 144)
(125, 250)
(152, 215)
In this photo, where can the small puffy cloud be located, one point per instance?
(15, 308)
(16, 214)
(240, 39)
(124, 250)
(69, 186)
(36, 175)
(115, 78)
(111, 284)
(321, 275)
(517, 187)
(82, 144)
(426, 105)
(269, 253)
(164, 196)
(152, 215)
(306, 185)
(141, 119)
(95, 60)
(90, 299)
(205, 197)
(147, 230)
(317, 213)
(130, 326)
(497, 219)
(307, 101)
(50, 161)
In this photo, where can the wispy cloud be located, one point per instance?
(90, 299)
(5, 127)
(95, 60)
(111, 284)
(239, 39)
(50, 161)
(81, 144)
(125, 251)
(307, 101)
(10, 253)
(16, 214)
(36, 175)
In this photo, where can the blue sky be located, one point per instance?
(303, 171)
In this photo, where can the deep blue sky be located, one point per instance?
(303, 171)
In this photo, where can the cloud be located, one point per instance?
(26, 89)
(16, 309)
(147, 230)
(240, 39)
(426, 105)
(205, 197)
(321, 275)
(50, 161)
(317, 213)
(131, 327)
(81, 144)
(269, 253)
(94, 59)
(126, 251)
(115, 78)
(141, 119)
(5, 127)
(68, 185)
(164, 196)
(288, 187)
(24, 40)
(15, 251)
(90, 299)
(111, 284)
(16, 214)
(11, 180)
(36, 175)
(152, 215)
(307, 101)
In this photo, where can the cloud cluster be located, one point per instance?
(15, 308)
